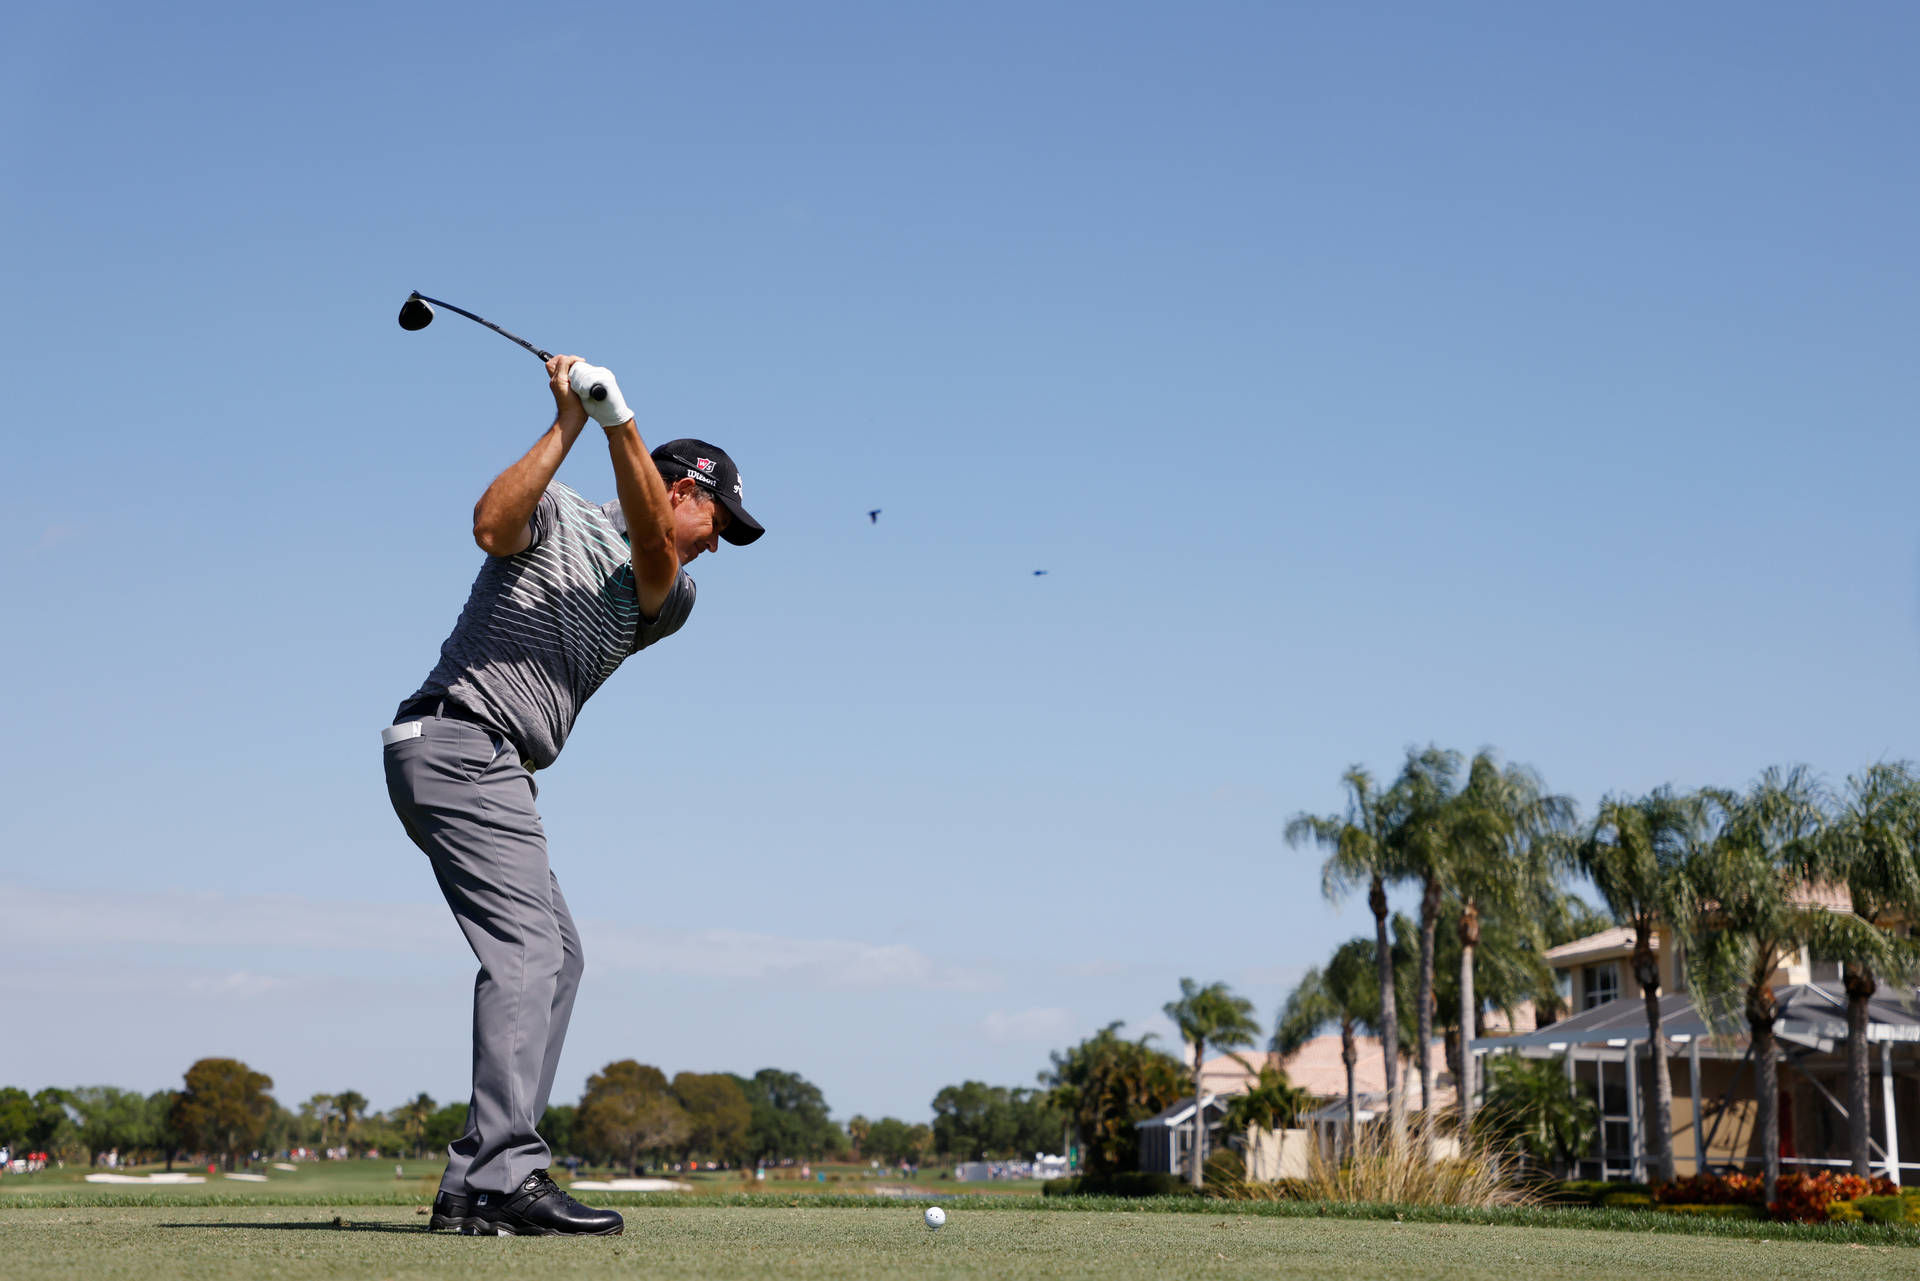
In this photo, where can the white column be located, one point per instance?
(1886, 1110)
(1600, 1105)
(1699, 1121)
(1634, 1163)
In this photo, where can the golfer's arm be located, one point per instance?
(643, 498)
(502, 518)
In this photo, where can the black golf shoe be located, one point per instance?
(538, 1208)
(449, 1213)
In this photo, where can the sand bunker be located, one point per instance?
(147, 1178)
(629, 1185)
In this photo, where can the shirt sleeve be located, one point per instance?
(672, 616)
(545, 513)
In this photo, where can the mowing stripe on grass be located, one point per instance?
(1640, 1221)
(814, 1243)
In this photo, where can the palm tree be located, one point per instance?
(1358, 853)
(1104, 1085)
(413, 1117)
(1532, 1106)
(318, 1112)
(1509, 972)
(1871, 848)
(1340, 993)
(1503, 825)
(1757, 916)
(1424, 850)
(1204, 1014)
(1636, 854)
(350, 1107)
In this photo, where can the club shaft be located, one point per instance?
(511, 337)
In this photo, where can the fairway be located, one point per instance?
(217, 1243)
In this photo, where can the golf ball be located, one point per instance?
(935, 1216)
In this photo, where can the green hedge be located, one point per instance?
(1592, 1191)
(1125, 1183)
(1734, 1210)
(1904, 1208)
(1626, 1201)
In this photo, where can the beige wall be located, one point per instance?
(1276, 1154)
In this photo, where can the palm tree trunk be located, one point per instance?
(1469, 937)
(1657, 1105)
(1389, 1015)
(1767, 1094)
(1861, 986)
(1348, 1055)
(1429, 923)
(1198, 1175)
(1659, 1094)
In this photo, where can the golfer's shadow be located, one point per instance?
(316, 1225)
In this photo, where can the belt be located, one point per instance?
(448, 710)
(445, 708)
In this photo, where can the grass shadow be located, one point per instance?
(320, 1225)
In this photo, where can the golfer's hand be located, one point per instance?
(610, 408)
(569, 413)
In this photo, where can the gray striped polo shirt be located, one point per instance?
(543, 629)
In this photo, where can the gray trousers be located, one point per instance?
(467, 802)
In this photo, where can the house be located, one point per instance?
(1604, 1045)
(1166, 1140)
(1318, 1069)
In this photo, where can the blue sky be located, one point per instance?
(1480, 374)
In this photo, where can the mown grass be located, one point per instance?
(812, 1240)
(1642, 1222)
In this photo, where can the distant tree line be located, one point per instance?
(631, 1114)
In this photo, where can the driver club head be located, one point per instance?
(414, 313)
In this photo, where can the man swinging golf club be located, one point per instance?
(568, 590)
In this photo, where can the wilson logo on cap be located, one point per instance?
(704, 464)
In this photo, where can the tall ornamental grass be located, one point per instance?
(1379, 1171)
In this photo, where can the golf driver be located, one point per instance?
(417, 313)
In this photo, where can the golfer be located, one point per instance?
(569, 589)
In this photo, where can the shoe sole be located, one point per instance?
(476, 1229)
(445, 1223)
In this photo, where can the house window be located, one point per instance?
(1602, 984)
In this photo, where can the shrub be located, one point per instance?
(1626, 1201)
(1224, 1168)
(1484, 1174)
(1125, 1183)
(1588, 1191)
(1805, 1198)
(1844, 1212)
(1800, 1198)
(1733, 1210)
(1710, 1189)
(1888, 1209)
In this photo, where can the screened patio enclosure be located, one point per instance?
(1715, 1112)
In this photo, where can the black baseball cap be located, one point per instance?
(710, 466)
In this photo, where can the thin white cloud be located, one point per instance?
(1095, 969)
(1047, 1026)
(181, 921)
(238, 983)
(1273, 975)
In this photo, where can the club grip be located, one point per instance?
(598, 391)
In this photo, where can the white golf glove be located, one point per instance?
(610, 412)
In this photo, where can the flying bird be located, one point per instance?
(1038, 572)
(873, 517)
